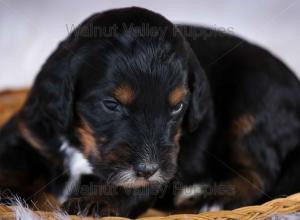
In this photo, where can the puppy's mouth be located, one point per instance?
(128, 179)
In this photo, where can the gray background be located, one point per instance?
(31, 29)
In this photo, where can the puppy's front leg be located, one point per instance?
(242, 177)
(111, 201)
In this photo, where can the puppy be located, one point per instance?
(99, 132)
(113, 117)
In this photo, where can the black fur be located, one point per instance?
(239, 118)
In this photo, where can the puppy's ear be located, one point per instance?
(200, 101)
(49, 107)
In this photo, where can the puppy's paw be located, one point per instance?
(211, 207)
(188, 195)
(197, 195)
(85, 207)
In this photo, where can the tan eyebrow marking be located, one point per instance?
(176, 96)
(124, 94)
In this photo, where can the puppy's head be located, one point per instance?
(119, 95)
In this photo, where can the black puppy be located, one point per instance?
(105, 113)
(107, 110)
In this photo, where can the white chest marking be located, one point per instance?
(77, 165)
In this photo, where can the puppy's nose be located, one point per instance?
(146, 170)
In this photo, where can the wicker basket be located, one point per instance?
(290, 204)
(12, 101)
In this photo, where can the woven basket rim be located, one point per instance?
(278, 206)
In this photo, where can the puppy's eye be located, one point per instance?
(111, 105)
(177, 109)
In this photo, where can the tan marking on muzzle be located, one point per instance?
(177, 137)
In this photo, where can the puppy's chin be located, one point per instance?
(128, 179)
